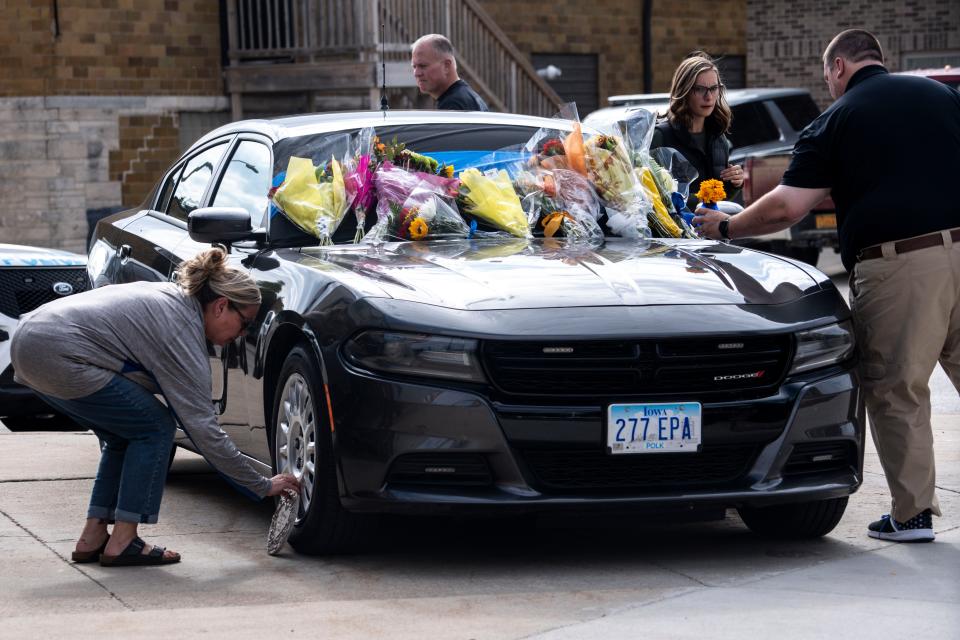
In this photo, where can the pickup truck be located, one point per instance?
(766, 124)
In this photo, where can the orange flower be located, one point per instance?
(418, 229)
(711, 191)
(551, 223)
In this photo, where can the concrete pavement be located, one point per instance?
(556, 578)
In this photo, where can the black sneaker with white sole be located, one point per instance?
(919, 528)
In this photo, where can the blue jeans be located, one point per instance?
(136, 435)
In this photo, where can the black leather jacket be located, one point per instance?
(718, 145)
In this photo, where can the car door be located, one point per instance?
(146, 246)
(243, 182)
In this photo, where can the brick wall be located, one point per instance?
(613, 30)
(89, 104)
(787, 38)
(110, 47)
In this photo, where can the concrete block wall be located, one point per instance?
(613, 29)
(786, 39)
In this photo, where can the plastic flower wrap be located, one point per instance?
(313, 197)
(561, 203)
(358, 178)
(414, 206)
(610, 170)
(490, 197)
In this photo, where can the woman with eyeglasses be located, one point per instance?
(102, 356)
(697, 122)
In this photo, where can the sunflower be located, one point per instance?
(418, 229)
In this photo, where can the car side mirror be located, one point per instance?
(220, 225)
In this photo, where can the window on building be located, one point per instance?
(733, 70)
(193, 182)
(246, 180)
(577, 81)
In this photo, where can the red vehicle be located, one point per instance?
(948, 75)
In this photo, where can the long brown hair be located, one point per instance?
(683, 80)
(208, 276)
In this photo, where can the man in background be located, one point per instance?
(435, 69)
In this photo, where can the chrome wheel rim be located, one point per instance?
(296, 438)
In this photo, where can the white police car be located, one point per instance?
(30, 277)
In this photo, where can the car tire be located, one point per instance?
(301, 443)
(799, 520)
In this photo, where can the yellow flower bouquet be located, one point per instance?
(313, 198)
(491, 197)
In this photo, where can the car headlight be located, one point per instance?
(415, 354)
(823, 346)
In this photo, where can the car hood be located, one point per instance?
(545, 273)
(15, 255)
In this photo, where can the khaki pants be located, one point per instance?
(906, 311)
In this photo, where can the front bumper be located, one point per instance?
(802, 442)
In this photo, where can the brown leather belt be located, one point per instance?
(910, 244)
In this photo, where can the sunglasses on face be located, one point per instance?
(244, 321)
(702, 91)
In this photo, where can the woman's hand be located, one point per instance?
(733, 174)
(282, 482)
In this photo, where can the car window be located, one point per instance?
(799, 110)
(246, 180)
(752, 125)
(193, 182)
(164, 197)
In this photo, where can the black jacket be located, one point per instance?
(718, 145)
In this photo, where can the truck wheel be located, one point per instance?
(798, 520)
(302, 445)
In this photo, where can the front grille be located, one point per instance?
(817, 457)
(440, 469)
(624, 368)
(24, 289)
(591, 468)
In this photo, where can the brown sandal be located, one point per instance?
(81, 557)
(133, 556)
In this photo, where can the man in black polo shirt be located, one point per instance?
(435, 69)
(888, 152)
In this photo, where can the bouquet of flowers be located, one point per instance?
(561, 203)
(414, 206)
(490, 196)
(611, 172)
(313, 197)
(711, 192)
(358, 178)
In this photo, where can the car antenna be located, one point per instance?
(384, 105)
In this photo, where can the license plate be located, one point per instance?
(653, 427)
(826, 221)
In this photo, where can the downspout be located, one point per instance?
(647, 47)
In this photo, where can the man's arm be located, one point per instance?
(781, 208)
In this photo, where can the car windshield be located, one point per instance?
(457, 145)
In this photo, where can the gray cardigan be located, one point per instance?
(150, 332)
